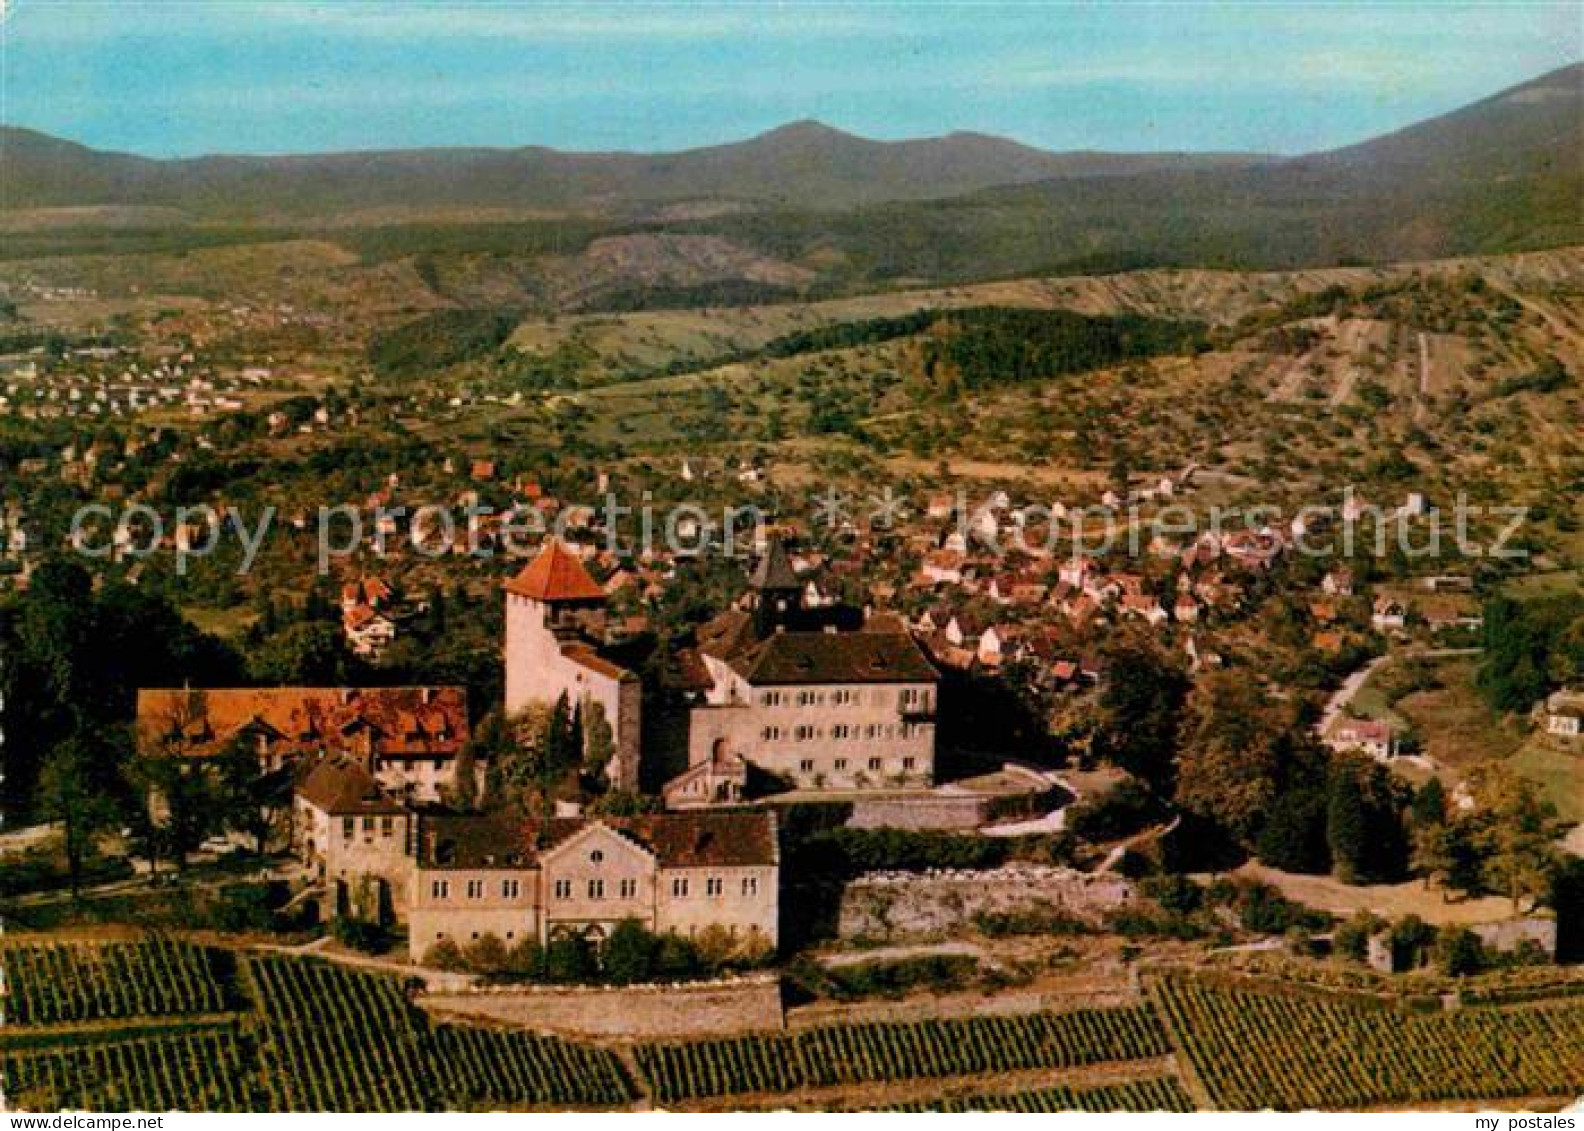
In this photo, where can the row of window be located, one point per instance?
(625, 889)
(349, 825)
(873, 765)
(844, 732)
(909, 698)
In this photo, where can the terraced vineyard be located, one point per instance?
(188, 1071)
(487, 1068)
(1256, 1047)
(1157, 1093)
(53, 983)
(312, 1037)
(868, 1053)
(337, 1040)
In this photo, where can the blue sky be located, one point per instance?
(169, 78)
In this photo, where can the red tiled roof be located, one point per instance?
(555, 575)
(415, 722)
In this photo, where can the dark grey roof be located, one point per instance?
(834, 657)
(774, 570)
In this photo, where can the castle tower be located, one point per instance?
(547, 657)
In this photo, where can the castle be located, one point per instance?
(554, 614)
(816, 703)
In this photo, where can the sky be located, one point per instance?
(231, 76)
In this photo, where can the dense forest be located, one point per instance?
(986, 346)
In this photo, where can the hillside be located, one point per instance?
(806, 209)
(802, 165)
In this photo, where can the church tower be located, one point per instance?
(775, 592)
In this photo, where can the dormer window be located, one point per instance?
(596, 857)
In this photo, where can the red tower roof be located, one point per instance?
(555, 575)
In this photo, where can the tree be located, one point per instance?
(1430, 839)
(178, 812)
(248, 801)
(1140, 709)
(558, 753)
(569, 958)
(1458, 951)
(76, 788)
(629, 953)
(307, 654)
(1237, 745)
(487, 954)
(1364, 827)
(1346, 826)
(1522, 829)
(1294, 838)
(599, 745)
(445, 955)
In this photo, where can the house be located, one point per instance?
(1388, 614)
(1564, 714)
(1373, 738)
(517, 877)
(1338, 582)
(943, 567)
(803, 695)
(555, 621)
(406, 738)
(368, 631)
(1143, 605)
(353, 837)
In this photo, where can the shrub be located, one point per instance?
(445, 955)
(486, 954)
(359, 934)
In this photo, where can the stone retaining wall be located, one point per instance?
(901, 905)
(690, 1009)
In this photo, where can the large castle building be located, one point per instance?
(817, 703)
(555, 615)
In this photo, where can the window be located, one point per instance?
(475, 889)
(750, 885)
(842, 698)
(806, 765)
(387, 826)
(841, 730)
(909, 763)
(596, 889)
(440, 889)
(714, 885)
(772, 734)
(804, 733)
(679, 887)
(368, 825)
(563, 889)
(771, 698)
(348, 828)
(871, 732)
(596, 857)
(511, 889)
(874, 763)
(910, 697)
(841, 764)
(629, 889)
